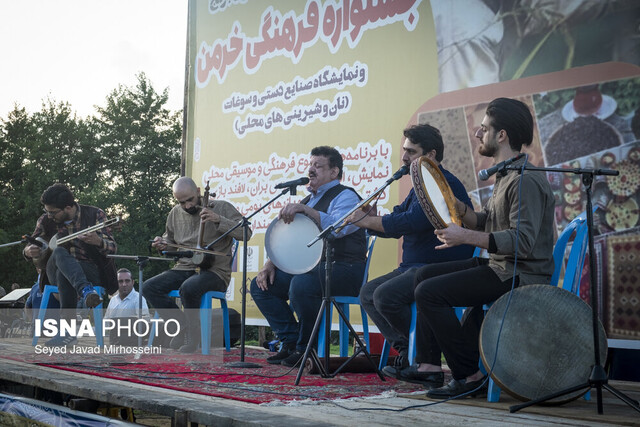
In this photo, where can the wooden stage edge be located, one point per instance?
(207, 410)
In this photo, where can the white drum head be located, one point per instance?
(437, 199)
(286, 244)
(433, 193)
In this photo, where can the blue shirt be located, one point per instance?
(409, 221)
(339, 206)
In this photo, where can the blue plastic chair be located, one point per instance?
(97, 312)
(575, 261)
(206, 314)
(343, 302)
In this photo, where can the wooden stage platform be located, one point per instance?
(185, 408)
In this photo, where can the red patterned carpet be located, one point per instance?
(210, 375)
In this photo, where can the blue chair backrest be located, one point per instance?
(577, 254)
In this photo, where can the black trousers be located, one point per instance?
(441, 287)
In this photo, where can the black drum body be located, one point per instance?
(546, 343)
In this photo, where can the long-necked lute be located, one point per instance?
(47, 247)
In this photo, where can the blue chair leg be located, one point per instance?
(365, 327)
(322, 331)
(97, 319)
(205, 320)
(493, 394)
(412, 333)
(384, 354)
(344, 332)
(205, 324)
(46, 294)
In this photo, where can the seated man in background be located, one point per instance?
(125, 305)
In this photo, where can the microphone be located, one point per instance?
(300, 181)
(399, 173)
(178, 254)
(484, 174)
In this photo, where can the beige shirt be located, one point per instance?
(183, 229)
(500, 218)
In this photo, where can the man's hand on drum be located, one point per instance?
(451, 236)
(266, 276)
(289, 212)
(207, 215)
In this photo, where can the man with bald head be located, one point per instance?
(182, 228)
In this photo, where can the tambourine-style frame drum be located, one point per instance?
(433, 193)
(286, 244)
(546, 343)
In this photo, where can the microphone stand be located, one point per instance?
(142, 261)
(244, 223)
(328, 235)
(598, 377)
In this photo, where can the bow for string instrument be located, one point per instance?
(47, 247)
(202, 259)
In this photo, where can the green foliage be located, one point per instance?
(626, 92)
(550, 102)
(122, 160)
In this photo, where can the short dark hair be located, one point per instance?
(427, 137)
(334, 156)
(514, 117)
(58, 195)
(124, 270)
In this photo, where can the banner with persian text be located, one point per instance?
(268, 81)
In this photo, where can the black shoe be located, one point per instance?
(293, 359)
(457, 387)
(59, 341)
(412, 375)
(90, 297)
(281, 355)
(177, 341)
(401, 361)
(191, 340)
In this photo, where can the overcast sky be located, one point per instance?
(80, 50)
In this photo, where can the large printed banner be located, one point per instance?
(268, 81)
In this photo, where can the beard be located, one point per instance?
(488, 149)
(192, 210)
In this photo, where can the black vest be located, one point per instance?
(106, 266)
(351, 248)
